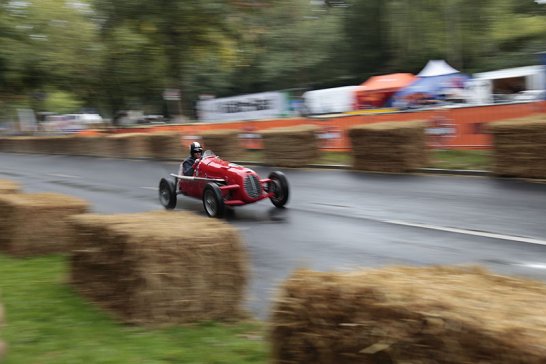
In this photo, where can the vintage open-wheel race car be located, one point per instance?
(219, 183)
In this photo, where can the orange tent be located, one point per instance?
(378, 89)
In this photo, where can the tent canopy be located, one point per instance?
(390, 82)
(377, 90)
(436, 79)
(435, 85)
(437, 67)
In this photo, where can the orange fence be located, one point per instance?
(449, 128)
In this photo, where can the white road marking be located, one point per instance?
(469, 232)
(533, 265)
(484, 234)
(62, 175)
(149, 188)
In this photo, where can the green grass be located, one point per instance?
(461, 159)
(46, 322)
(443, 159)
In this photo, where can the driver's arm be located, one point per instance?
(188, 167)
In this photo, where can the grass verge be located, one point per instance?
(46, 322)
(443, 159)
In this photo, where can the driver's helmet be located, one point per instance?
(195, 147)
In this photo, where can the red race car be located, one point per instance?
(219, 184)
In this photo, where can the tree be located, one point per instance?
(47, 43)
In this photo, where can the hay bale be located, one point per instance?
(93, 146)
(55, 145)
(5, 144)
(17, 144)
(130, 145)
(9, 187)
(160, 267)
(292, 146)
(519, 147)
(32, 224)
(166, 146)
(409, 315)
(22, 144)
(389, 146)
(224, 143)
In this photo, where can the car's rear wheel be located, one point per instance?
(167, 194)
(279, 189)
(213, 201)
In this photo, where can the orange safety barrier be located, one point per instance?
(448, 128)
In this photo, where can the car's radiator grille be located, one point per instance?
(252, 186)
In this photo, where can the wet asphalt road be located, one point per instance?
(335, 219)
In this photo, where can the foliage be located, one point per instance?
(47, 43)
(122, 54)
(62, 102)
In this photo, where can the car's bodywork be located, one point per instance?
(220, 183)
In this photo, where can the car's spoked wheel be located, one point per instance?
(213, 201)
(167, 194)
(279, 189)
(210, 203)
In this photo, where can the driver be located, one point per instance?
(189, 164)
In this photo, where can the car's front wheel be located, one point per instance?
(213, 201)
(279, 189)
(167, 194)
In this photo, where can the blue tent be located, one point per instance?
(434, 82)
(434, 86)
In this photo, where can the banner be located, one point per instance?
(265, 105)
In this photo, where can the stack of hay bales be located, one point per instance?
(291, 147)
(130, 145)
(5, 144)
(166, 146)
(55, 145)
(160, 267)
(8, 187)
(224, 143)
(22, 144)
(519, 147)
(389, 147)
(93, 146)
(409, 315)
(32, 224)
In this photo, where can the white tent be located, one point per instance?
(533, 76)
(502, 85)
(330, 100)
(436, 67)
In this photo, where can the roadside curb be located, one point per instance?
(458, 172)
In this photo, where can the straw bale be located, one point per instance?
(5, 144)
(160, 267)
(389, 146)
(55, 145)
(93, 146)
(224, 143)
(23, 144)
(32, 224)
(409, 315)
(9, 187)
(291, 146)
(166, 145)
(519, 147)
(130, 145)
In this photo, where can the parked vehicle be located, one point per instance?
(219, 183)
(69, 123)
